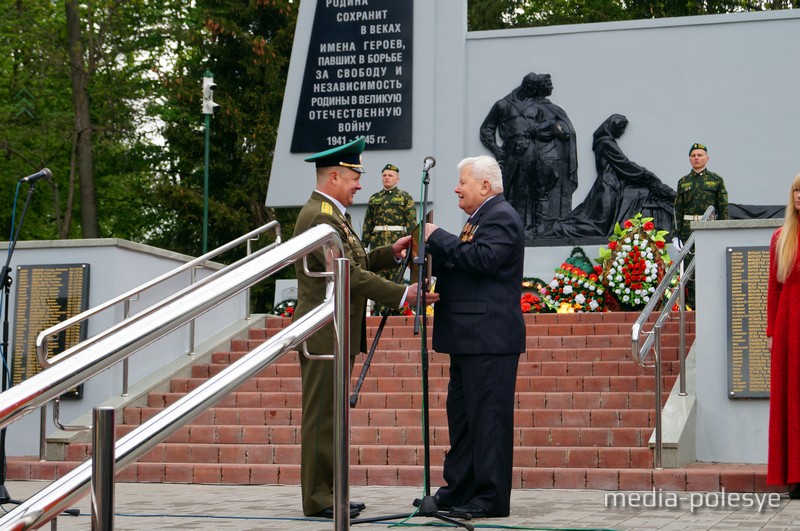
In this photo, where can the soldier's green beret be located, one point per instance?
(697, 146)
(347, 155)
(391, 167)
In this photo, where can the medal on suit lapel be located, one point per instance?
(352, 239)
(468, 232)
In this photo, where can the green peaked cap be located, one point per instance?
(347, 155)
(697, 146)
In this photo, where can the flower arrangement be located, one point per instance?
(407, 309)
(532, 300)
(634, 262)
(574, 290)
(285, 308)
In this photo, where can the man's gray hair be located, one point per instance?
(485, 167)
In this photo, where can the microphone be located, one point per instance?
(44, 173)
(429, 163)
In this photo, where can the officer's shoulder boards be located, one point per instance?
(326, 208)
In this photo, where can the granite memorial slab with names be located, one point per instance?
(748, 355)
(47, 295)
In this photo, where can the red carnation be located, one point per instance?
(660, 244)
(612, 245)
(528, 297)
(649, 226)
(628, 224)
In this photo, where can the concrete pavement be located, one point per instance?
(142, 506)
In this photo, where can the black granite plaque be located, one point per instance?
(46, 296)
(358, 76)
(748, 355)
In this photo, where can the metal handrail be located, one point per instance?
(653, 339)
(110, 348)
(38, 389)
(75, 349)
(43, 338)
(143, 314)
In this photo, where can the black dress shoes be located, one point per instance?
(469, 511)
(358, 505)
(794, 492)
(328, 513)
(440, 507)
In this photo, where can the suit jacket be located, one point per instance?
(363, 282)
(479, 278)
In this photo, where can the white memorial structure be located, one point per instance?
(410, 77)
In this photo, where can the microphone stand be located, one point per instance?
(385, 316)
(427, 505)
(5, 277)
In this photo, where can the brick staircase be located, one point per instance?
(584, 415)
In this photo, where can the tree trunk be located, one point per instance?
(83, 122)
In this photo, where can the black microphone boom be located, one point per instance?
(429, 163)
(44, 173)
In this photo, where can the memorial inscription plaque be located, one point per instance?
(46, 296)
(358, 76)
(748, 356)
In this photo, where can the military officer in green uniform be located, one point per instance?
(696, 191)
(391, 213)
(338, 172)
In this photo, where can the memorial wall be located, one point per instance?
(423, 86)
(748, 355)
(358, 76)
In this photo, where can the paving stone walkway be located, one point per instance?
(141, 506)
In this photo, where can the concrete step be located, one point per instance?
(525, 399)
(409, 387)
(524, 436)
(583, 415)
(700, 477)
(413, 371)
(378, 455)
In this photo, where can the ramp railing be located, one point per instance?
(652, 342)
(73, 368)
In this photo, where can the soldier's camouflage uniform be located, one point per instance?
(696, 191)
(391, 214)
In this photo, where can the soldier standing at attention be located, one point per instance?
(391, 213)
(696, 191)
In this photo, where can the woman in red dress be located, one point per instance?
(783, 333)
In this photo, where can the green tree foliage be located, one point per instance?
(35, 112)
(494, 14)
(246, 47)
(121, 44)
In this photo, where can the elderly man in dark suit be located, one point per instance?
(339, 173)
(479, 323)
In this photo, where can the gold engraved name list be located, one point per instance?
(748, 356)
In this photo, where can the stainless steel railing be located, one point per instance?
(652, 342)
(77, 367)
(43, 338)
